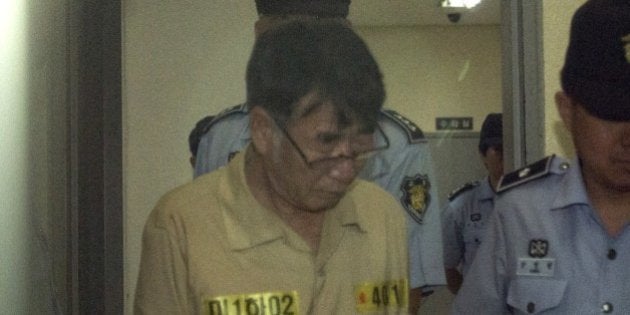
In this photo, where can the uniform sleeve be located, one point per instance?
(203, 160)
(484, 287)
(425, 238)
(452, 238)
(228, 135)
(162, 286)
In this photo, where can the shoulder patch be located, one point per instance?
(414, 133)
(416, 196)
(242, 109)
(466, 187)
(525, 174)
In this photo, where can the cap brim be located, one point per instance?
(604, 99)
(492, 142)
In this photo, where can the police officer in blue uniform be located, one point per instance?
(465, 217)
(405, 169)
(559, 242)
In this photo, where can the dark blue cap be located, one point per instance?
(491, 132)
(596, 72)
(318, 8)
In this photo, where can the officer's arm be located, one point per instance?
(484, 288)
(454, 279)
(453, 245)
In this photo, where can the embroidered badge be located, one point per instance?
(538, 248)
(256, 303)
(381, 296)
(416, 197)
(475, 217)
(626, 46)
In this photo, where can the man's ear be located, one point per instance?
(261, 129)
(565, 106)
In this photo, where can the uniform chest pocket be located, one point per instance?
(533, 296)
(472, 237)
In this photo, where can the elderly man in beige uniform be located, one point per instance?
(286, 227)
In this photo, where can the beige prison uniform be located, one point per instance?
(210, 248)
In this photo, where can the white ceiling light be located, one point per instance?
(459, 3)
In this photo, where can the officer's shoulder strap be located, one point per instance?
(463, 188)
(413, 132)
(525, 174)
(238, 109)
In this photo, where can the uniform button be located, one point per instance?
(612, 254)
(531, 307)
(564, 166)
(607, 308)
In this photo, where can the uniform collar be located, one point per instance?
(245, 135)
(485, 190)
(572, 190)
(248, 224)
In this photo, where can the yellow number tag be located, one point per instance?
(268, 303)
(371, 297)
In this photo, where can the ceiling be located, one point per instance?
(419, 12)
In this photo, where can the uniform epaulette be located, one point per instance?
(523, 175)
(242, 108)
(466, 187)
(414, 133)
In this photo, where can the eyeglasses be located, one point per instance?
(362, 146)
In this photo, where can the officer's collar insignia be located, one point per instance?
(416, 197)
(525, 174)
(626, 46)
(538, 248)
(475, 217)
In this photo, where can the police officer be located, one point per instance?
(286, 227)
(405, 169)
(560, 238)
(465, 217)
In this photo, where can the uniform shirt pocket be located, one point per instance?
(472, 237)
(533, 296)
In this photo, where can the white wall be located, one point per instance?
(556, 23)
(32, 156)
(183, 61)
(439, 70)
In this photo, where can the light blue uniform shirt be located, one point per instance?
(405, 170)
(464, 220)
(547, 252)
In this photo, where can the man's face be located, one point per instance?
(493, 161)
(603, 148)
(312, 165)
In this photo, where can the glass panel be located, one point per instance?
(439, 63)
